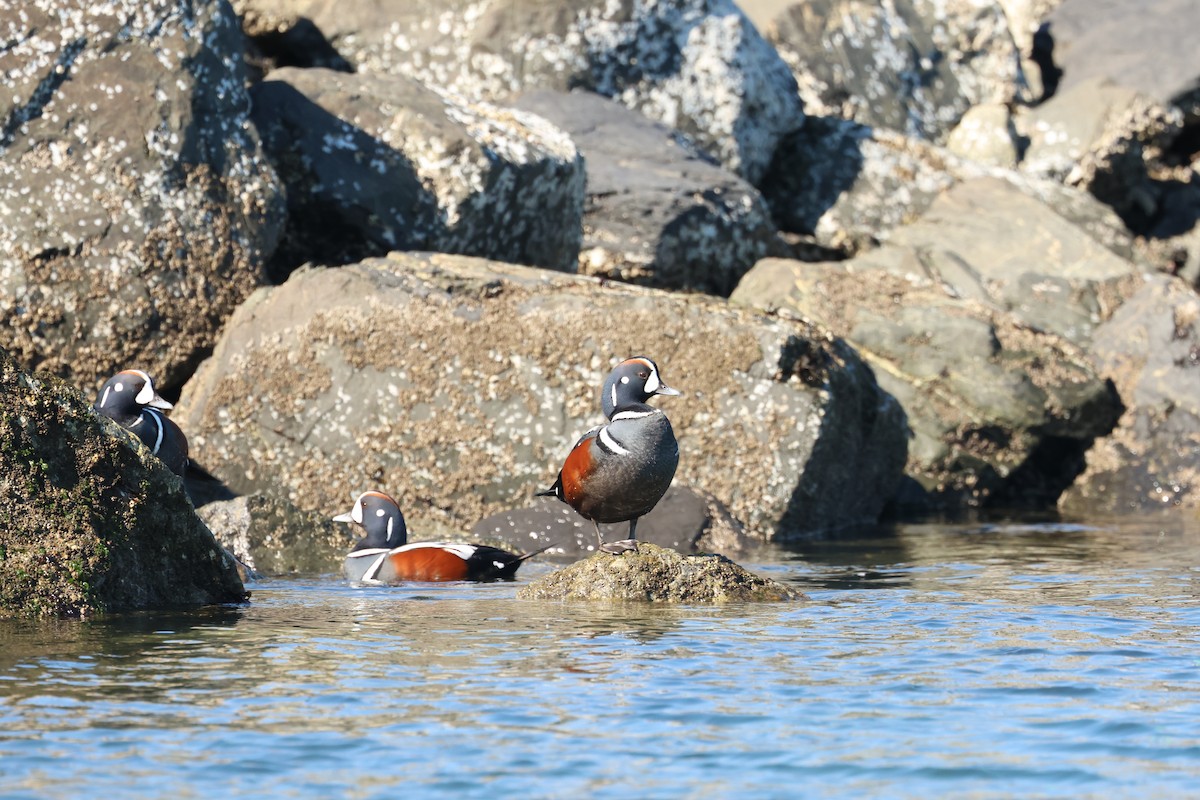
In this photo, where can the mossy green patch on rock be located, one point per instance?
(90, 520)
(660, 575)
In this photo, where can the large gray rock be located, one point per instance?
(684, 520)
(657, 213)
(698, 66)
(847, 187)
(986, 240)
(376, 163)
(137, 207)
(1145, 45)
(1000, 413)
(459, 386)
(655, 574)
(269, 535)
(1111, 141)
(1150, 349)
(912, 66)
(90, 520)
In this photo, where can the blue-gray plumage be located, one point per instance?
(618, 472)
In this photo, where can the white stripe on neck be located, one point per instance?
(635, 414)
(608, 441)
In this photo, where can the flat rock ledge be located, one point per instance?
(657, 574)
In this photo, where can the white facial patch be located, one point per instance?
(652, 383)
(147, 394)
(356, 513)
(391, 524)
(624, 379)
(104, 397)
(613, 394)
(380, 513)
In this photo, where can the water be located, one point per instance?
(1039, 660)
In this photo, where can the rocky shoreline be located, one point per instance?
(913, 258)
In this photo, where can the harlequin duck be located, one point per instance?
(129, 399)
(619, 471)
(383, 555)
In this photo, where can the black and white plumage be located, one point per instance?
(384, 555)
(129, 399)
(619, 471)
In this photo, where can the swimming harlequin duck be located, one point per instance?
(384, 556)
(129, 399)
(619, 471)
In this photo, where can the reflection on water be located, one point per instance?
(1019, 659)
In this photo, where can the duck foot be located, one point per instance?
(623, 546)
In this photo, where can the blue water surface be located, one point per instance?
(1004, 660)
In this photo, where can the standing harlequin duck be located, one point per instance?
(382, 556)
(129, 399)
(620, 471)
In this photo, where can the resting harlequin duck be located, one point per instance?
(619, 471)
(129, 399)
(384, 556)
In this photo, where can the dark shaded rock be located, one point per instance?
(656, 574)
(376, 163)
(685, 520)
(696, 65)
(90, 520)
(284, 41)
(1150, 348)
(912, 66)
(137, 207)
(657, 212)
(271, 536)
(461, 384)
(1000, 412)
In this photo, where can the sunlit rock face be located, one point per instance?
(137, 206)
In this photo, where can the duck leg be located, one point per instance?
(625, 545)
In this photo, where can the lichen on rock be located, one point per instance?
(657, 574)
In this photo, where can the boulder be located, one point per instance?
(90, 520)
(698, 66)
(138, 209)
(1144, 45)
(1113, 142)
(1000, 412)
(459, 386)
(986, 135)
(270, 536)
(1150, 349)
(657, 213)
(656, 574)
(375, 163)
(685, 520)
(911, 66)
(848, 186)
(988, 241)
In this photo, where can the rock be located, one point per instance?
(90, 520)
(912, 66)
(685, 520)
(656, 574)
(1150, 349)
(698, 66)
(986, 240)
(459, 385)
(1144, 45)
(1110, 141)
(849, 186)
(986, 134)
(137, 207)
(657, 213)
(269, 535)
(1000, 412)
(376, 163)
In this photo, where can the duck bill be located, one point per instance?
(343, 518)
(667, 391)
(158, 402)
